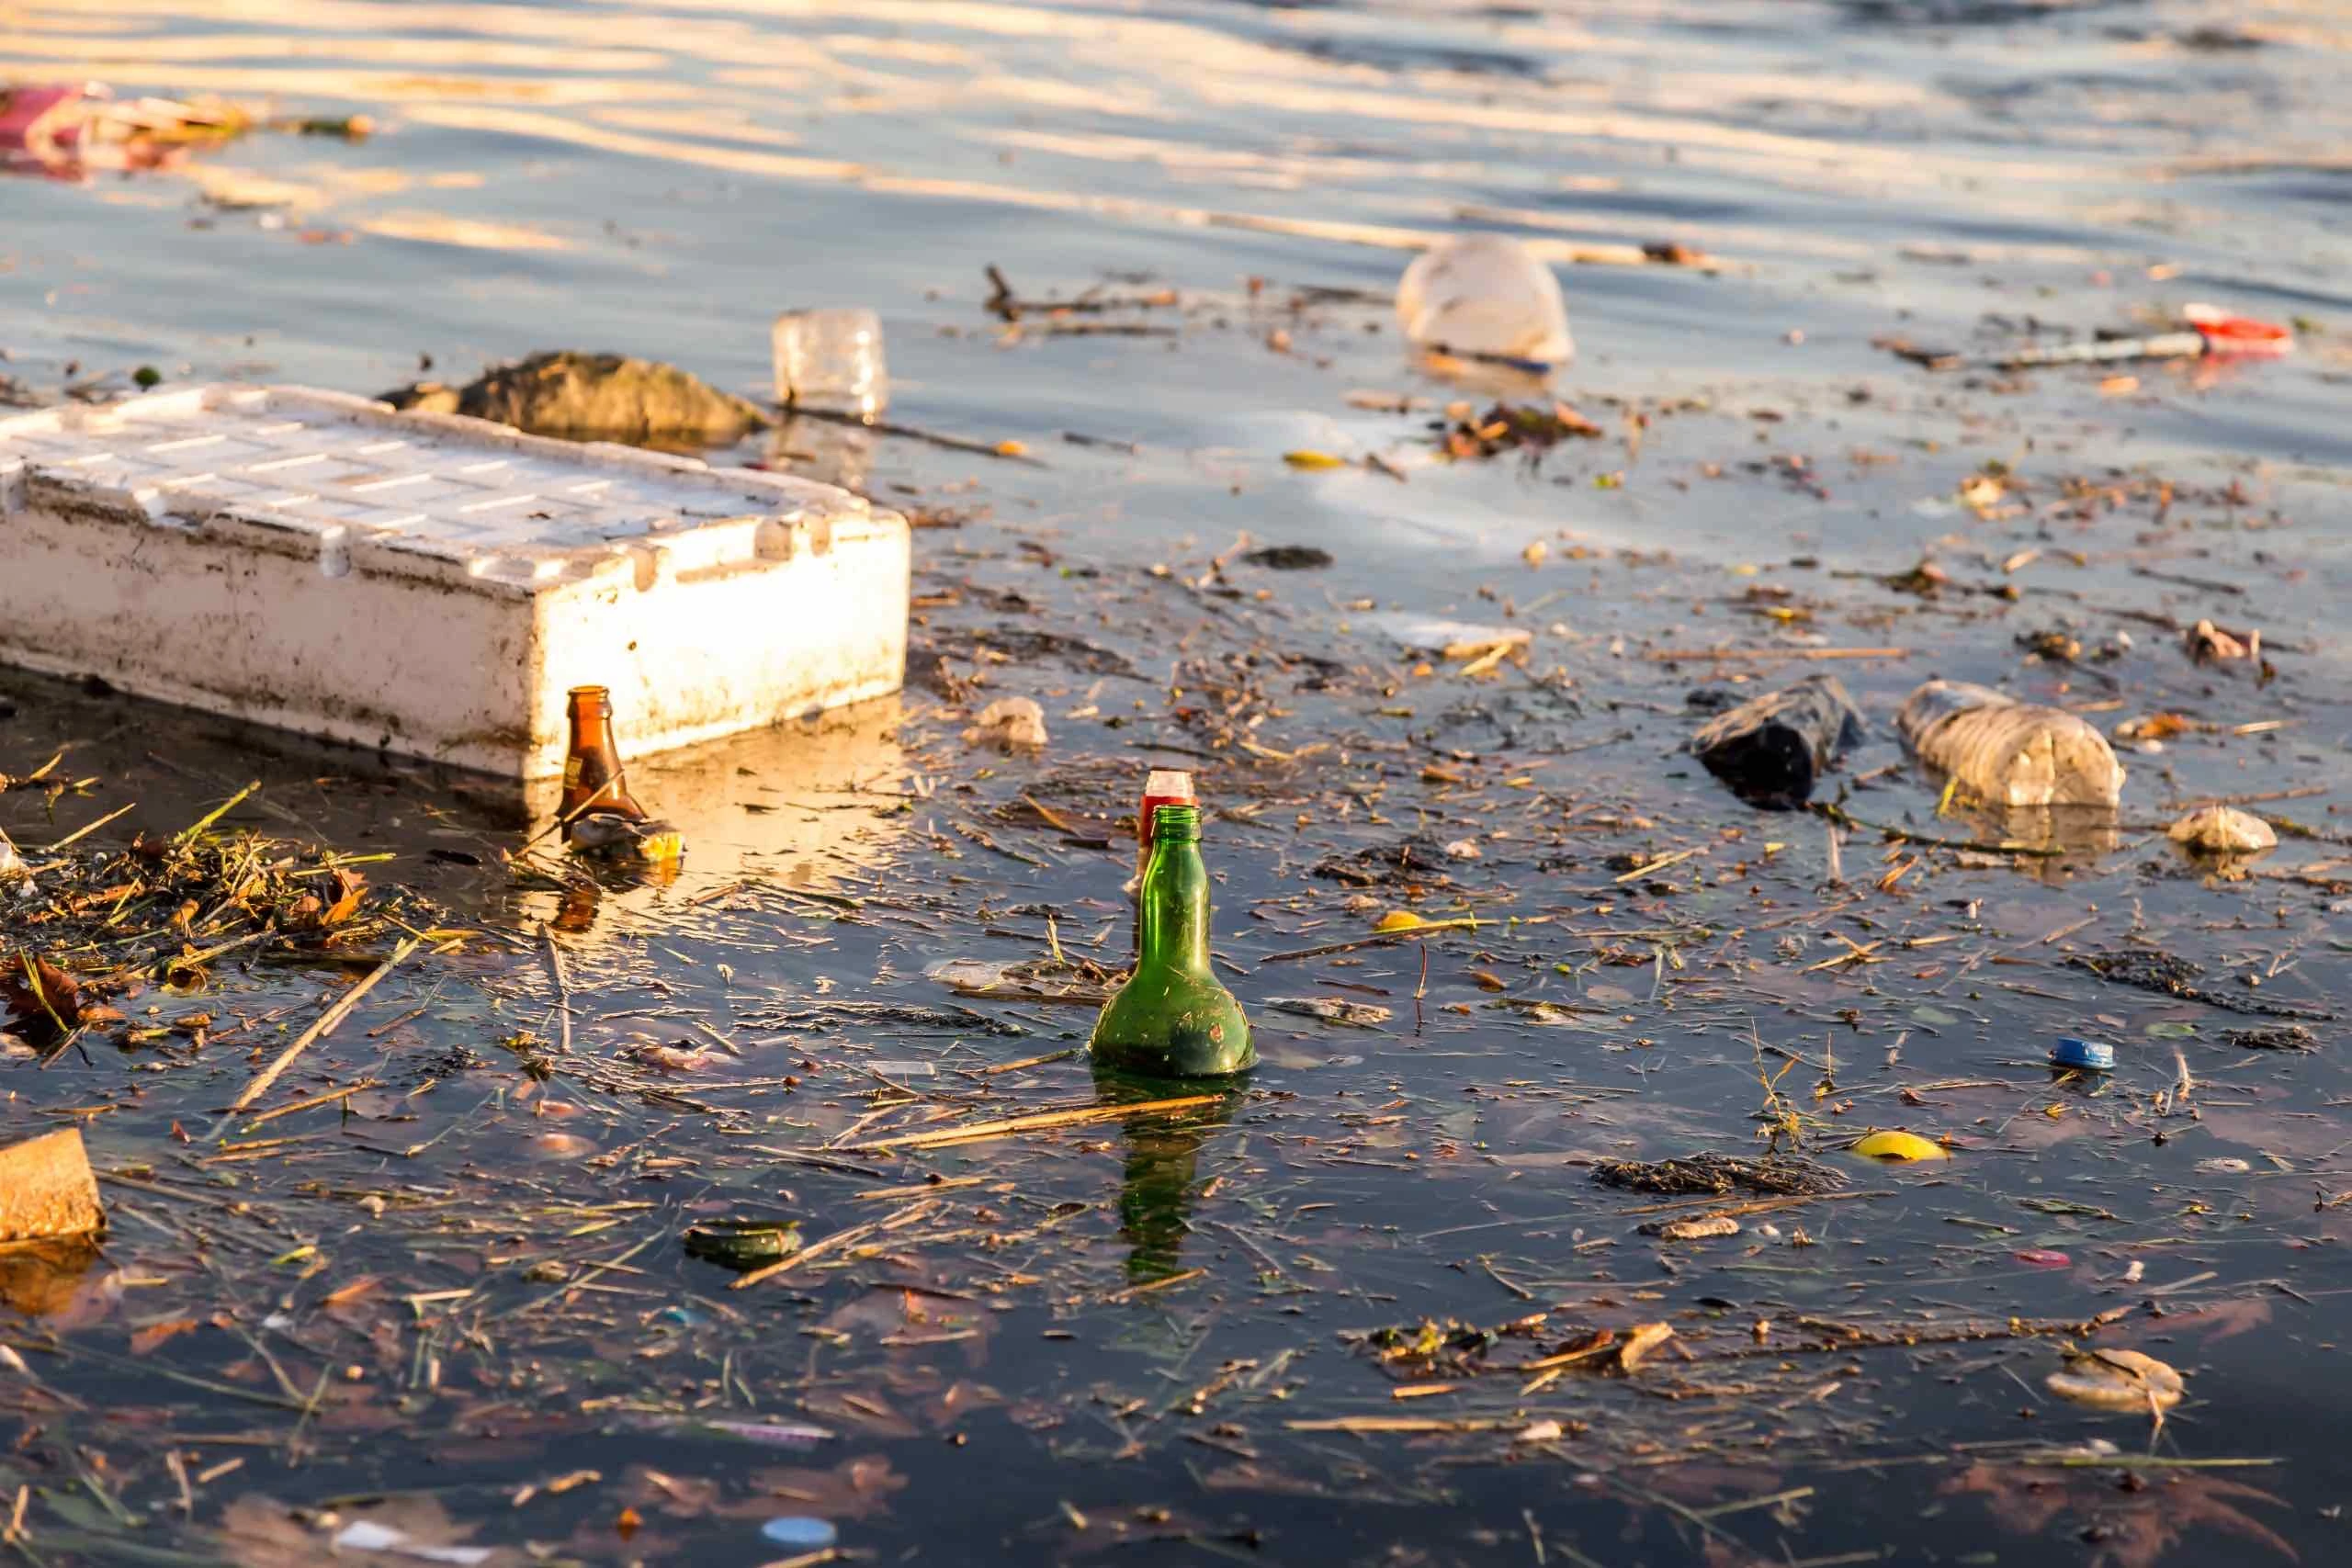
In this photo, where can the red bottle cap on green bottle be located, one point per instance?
(1166, 786)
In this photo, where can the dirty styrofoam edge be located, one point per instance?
(472, 752)
(489, 432)
(808, 491)
(761, 516)
(340, 548)
(762, 490)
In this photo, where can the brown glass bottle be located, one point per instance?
(593, 780)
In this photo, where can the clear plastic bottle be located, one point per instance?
(832, 362)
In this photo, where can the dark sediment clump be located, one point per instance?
(592, 396)
(1411, 861)
(1717, 1175)
(1772, 750)
(2170, 974)
(1289, 557)
(2280, 1037)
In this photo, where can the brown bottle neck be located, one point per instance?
(591, 771)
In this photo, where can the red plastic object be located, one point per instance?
(2241, 335)
(42, 127)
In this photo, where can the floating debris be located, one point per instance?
(1289, 558)
(741, 1244)
(2278, 1037)
(1702, 1228)
(2209, 644)
(47, 1192)
(2170, 974)
(1011, 724)
(1332, 1009)
(603, 397)
(1484, 296)
(1716, 1175)
(1772, 750)
(2223, 831)
(1900, 1147)
(2084, 1055)
(2007, 753)
(1514, 427)
(2117, 1380)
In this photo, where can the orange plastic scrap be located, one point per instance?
(2240, 336)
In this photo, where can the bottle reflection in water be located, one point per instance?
(1159, 1178)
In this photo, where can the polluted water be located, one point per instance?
(634, 1207)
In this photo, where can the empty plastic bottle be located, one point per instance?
(832, 362)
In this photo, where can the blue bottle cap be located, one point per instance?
(2094, 1054)
(800, 1530)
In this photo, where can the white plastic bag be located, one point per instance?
(1486, 297)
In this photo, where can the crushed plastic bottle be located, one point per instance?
(832, 362)
(1486, 297)
(2007, 753)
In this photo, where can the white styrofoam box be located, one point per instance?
(430, 584)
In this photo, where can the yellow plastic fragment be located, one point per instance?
(1307, 459)
(1900, 1147)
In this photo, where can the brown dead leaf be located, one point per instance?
(154, 1334)
(348, 886)
(261, 1532)
(853, 1489)
(316, 912)
(680, 1496)
(1640, 1341)
(34, 988)
(2222, 1320)
(2135, 1530)
(351, 1292)
(2155, 726)
(863, 1409)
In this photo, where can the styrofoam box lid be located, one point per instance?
(364, 487)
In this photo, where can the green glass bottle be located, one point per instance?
(1173, 1020)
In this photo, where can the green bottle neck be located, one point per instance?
(1174, 902)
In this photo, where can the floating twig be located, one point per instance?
(325, 1025)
